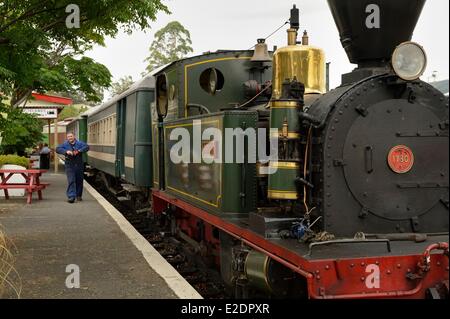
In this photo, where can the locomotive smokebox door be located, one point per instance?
(386, 161)
(383, 145)
(392, 154)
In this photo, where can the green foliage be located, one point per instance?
(18, 131)
(79, 97)
(72, 111)
(122, 85)
(84, 75)
(171, 43)
(38, 52)
(14, 160)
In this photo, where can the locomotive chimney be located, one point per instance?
(370, 31)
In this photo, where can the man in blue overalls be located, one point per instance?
(73, 149)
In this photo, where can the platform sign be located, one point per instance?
(42, 113)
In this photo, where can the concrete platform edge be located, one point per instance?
(173, 279)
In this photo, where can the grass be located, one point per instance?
(10, 281)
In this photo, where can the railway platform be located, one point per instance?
(55, 239)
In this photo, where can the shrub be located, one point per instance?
(14, 160)
(19, 130)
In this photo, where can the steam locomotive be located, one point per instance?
(354, 204)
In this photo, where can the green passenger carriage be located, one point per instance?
(119, 135)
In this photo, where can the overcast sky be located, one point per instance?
(236, 24)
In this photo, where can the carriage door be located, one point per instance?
(120, 146)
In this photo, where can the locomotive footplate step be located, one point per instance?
(61, 244)
(268, 225)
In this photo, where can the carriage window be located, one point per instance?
(114, 130)
(212, 81)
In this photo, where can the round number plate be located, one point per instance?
(400, 159)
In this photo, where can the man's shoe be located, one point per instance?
(71, 200)
(79, 199)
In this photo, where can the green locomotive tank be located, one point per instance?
(219, 187)
(222, 90)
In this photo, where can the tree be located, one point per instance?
(121, 85)
(171, 43)
(41, 48)
(79, 97)
(72, 111)
(20, 131)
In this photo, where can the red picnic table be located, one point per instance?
(32, 182)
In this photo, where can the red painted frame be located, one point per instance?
(328, 278)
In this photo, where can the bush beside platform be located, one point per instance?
(14, 160)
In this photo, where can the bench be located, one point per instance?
(32, 182)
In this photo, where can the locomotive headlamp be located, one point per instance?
(409, 61)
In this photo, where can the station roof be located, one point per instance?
(60, 100)
(39, 100)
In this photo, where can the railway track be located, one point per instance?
(176, 251)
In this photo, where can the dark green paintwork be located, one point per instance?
(143, 142)
(120, 144)
(105, 112)
(216, 187)
(130, 129)
(222, 193)
(136, 163)
(279, 115)
(184, 75)
(283, 180)
(133, 145)
(82, 127)
(232, 172)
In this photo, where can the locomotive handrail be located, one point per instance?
(417, 237)
(349, 241)
(424, 264)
